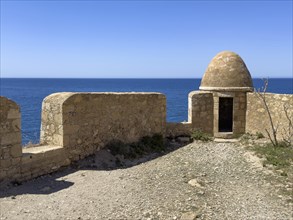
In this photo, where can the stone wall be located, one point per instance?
(201, 111)
(10, 139)
(75, 125)
(85, 122)
(239, 113)
(52, 119)
(40, 160)
(257, 119)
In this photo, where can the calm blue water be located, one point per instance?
(29, 93)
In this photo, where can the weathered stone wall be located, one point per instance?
(201, 111)
(85, 122)
(10, 139)
(52, 119)
(257, 119)
(37, 161)
(17, 163)
(77, 124)
(239, 112)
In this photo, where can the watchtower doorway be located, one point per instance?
(225, 114)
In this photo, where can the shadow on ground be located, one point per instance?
(46, 184)
(106, 160)
(102, 160)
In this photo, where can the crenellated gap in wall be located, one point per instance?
(75, 125)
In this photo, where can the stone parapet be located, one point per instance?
(10, 139)
(75, 125)
(85, 122)
(201, 111)
(37, 161)
(52, 119)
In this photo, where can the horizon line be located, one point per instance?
(128, 78)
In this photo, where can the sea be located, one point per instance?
(29, 93)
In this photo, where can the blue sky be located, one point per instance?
(142, 39)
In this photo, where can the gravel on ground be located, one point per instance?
(197, 181)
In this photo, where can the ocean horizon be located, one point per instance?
(29, 93)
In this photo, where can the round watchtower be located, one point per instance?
(226, 72)
(219, 108)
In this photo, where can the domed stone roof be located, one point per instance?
(227, 72)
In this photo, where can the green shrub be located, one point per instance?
(259, 135)
(199, 135)
(280, 156)
(118, 147)
(145, 145)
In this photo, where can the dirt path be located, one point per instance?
(200, 180)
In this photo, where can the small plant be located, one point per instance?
(199, 135)
(284, 174)
(246, 136)
(118, 147)
(145, 145)
(280, 156)
(259, 135)
(154, 143)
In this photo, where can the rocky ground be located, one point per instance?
(197, 181)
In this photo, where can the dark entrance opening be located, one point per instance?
(225, 114)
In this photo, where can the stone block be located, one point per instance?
(25, 168)
(243, 106)
(5, 153)
(10, 138)
(57, 139)
(16, 151)
(36, 174)
(26, 159)
(16, 125)
(3, 175)
(16, 161)
(243, 99)
(13, 114)
(71, 129)
(5, 163)
(25, 176)
(13, 171)
(5, 127)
